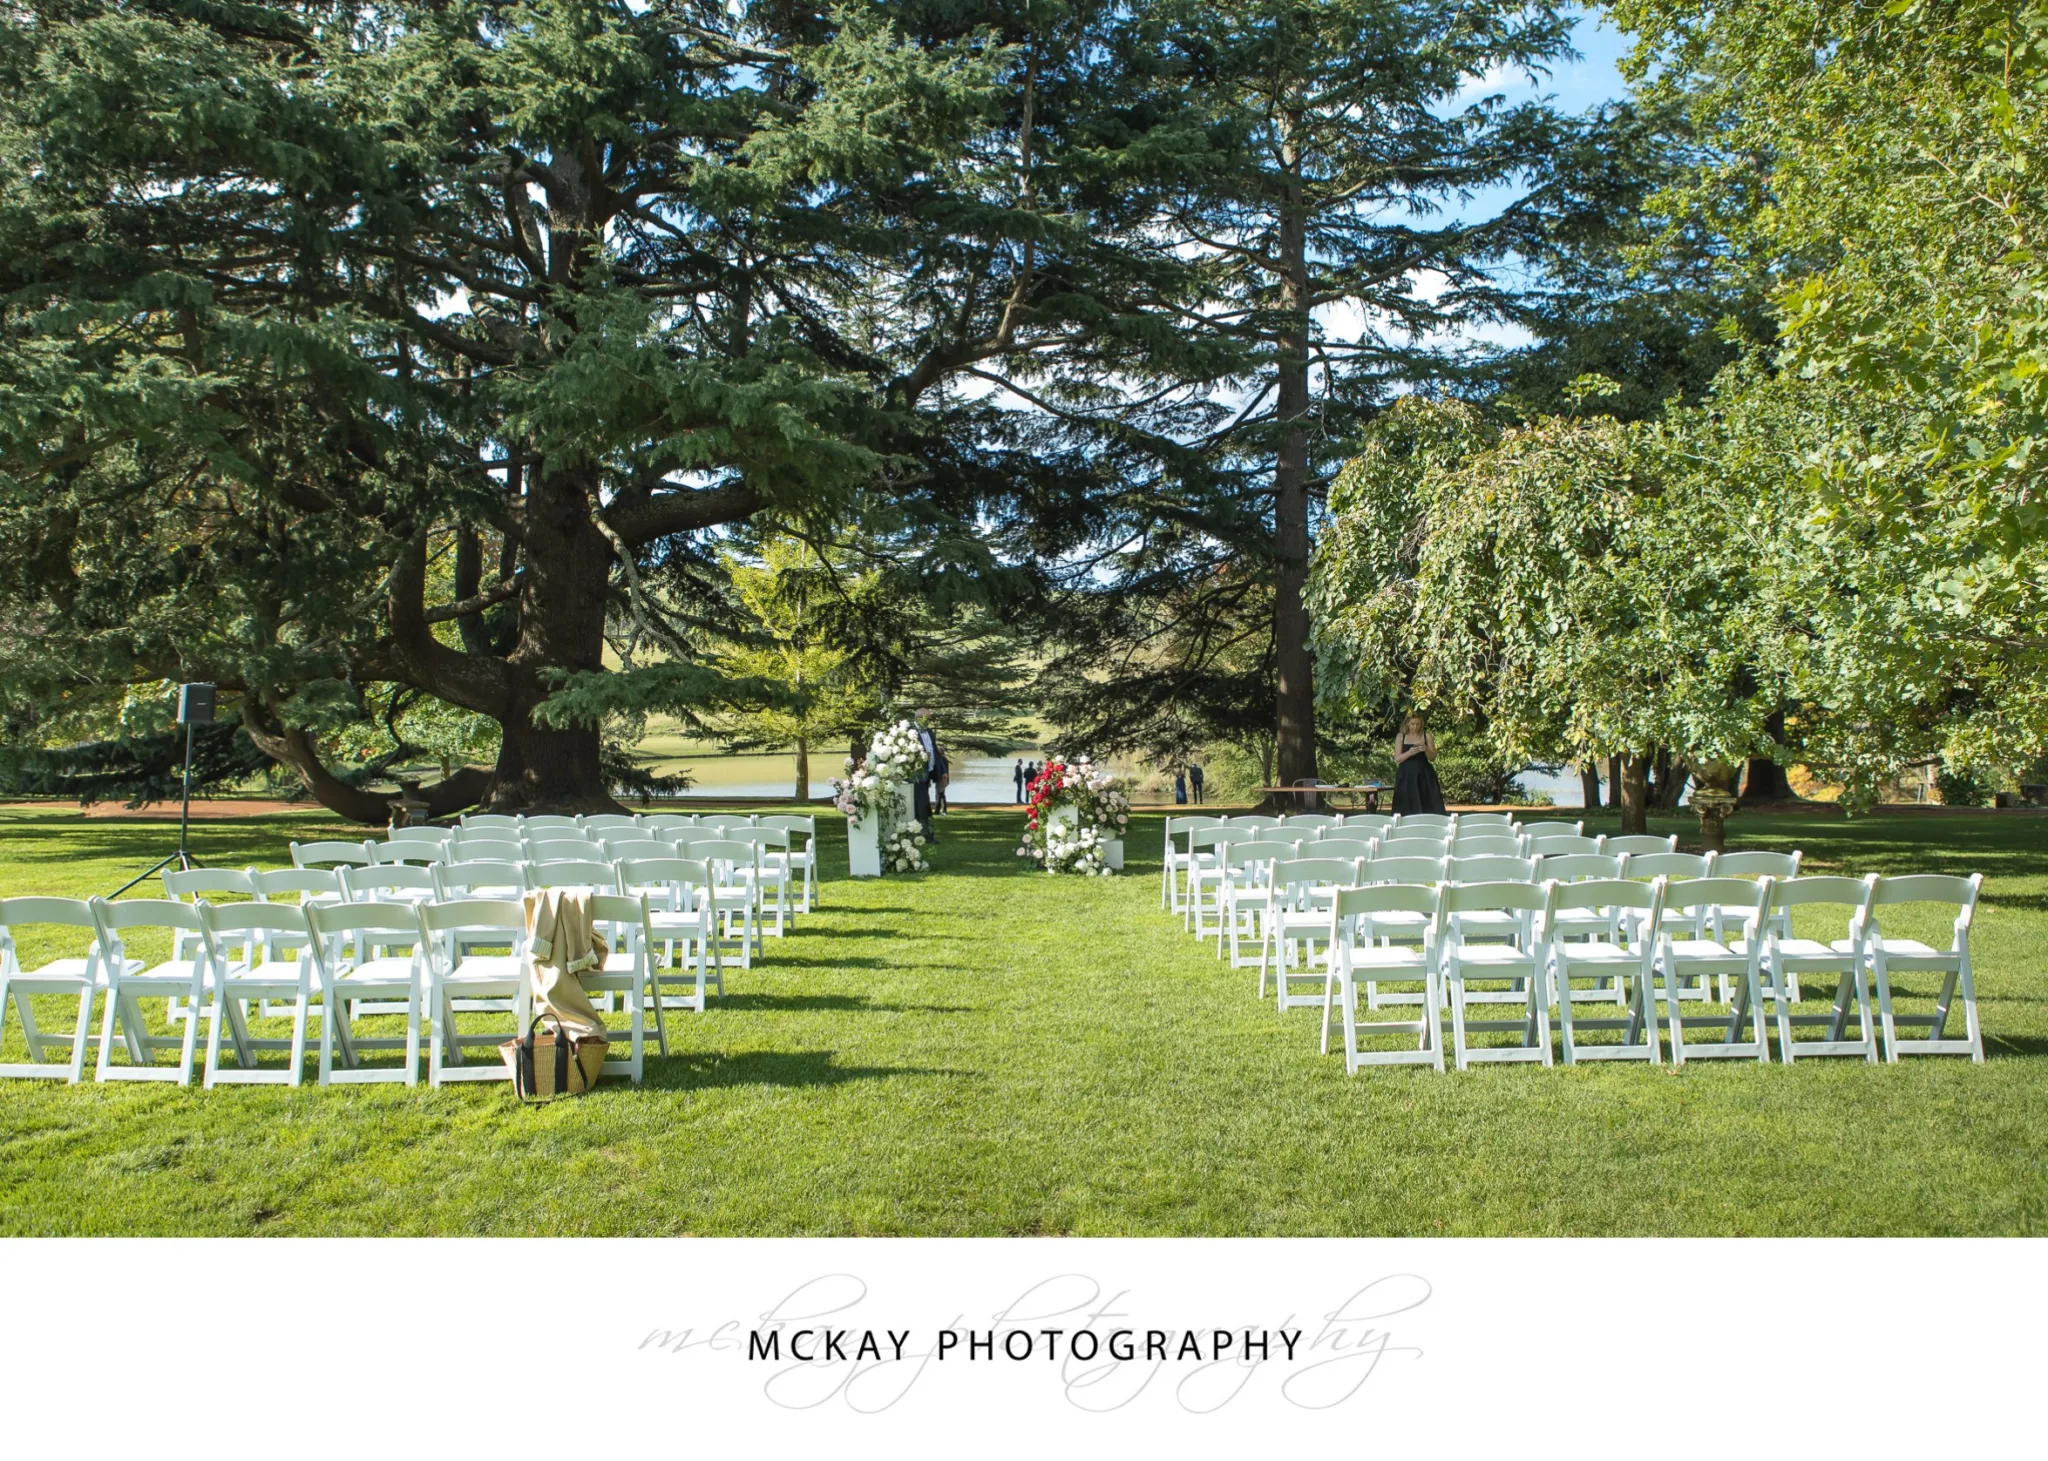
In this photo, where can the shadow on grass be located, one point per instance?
(772, 1068)
(858, 1003)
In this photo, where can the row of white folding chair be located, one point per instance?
(787, 860)
(1177, 860)
(1190, 867)
(738, 883)
(500, 879)
(315, 980)
(770, 871)
(1298, 927)
(1498, 866)
(1430, 950)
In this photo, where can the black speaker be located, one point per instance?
(195, 704)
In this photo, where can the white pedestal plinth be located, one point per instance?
(1113, 854)
(864, 846)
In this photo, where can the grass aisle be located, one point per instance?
(986, 1051)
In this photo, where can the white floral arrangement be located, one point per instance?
(903, 850)
(895, 757)
(860, 791)
(1102, 812)
(896, 753)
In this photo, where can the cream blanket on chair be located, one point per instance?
(561, 947)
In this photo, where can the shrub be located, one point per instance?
(1961, 786)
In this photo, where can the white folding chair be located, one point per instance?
(1207, 849)
(491, 822)
(305, 886)
(129, 981)
(771, 872)
(535, 828)
(625, 929)
(1435, 822)
(667, 822)
(1307, 826)
(397, 883)
(802, 859)
(419, 834)
(581, 877)
(1366, 824)
(1393, 926)
(1486, 823)
(215, 884)
(565, 849)
(607, 823)
(1515, 961)
(1779, 865)
(331, 854)
(1245, 893)
(452, 934)
(1685, 953)
(486, 849)
(725, 821)
(736, 893)
(388, 972)
(1297, 916)
(680, 894)
(1638, 846)
(417, 853)
(1495, 924)
(1485, 844)
(1346, 844)
(1624, 963)
(1582, 867)
(1551, 829)
(1785, 957)
(263, 979)
(77, 975)
(1412, 844)
(1356, 956)
(483, 878)
(1556, 844)
(1176, 860)
(633, 846)
(1887, 955)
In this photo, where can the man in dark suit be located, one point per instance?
(921, 789)
(1017, 775)
(1195, 782)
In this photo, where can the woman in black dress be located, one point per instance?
(1416, 788)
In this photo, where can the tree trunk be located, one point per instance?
(561, 627)
(1295, 724)
(1589, 785)
(1634, 798)
(1764, 780)
(803, 769)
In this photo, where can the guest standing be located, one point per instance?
(942, 776)
(1180, 788)
(921, 789)
(1017, 775)
(1416, 788)
(1195, 782)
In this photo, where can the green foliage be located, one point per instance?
(1961, 786)
(146, 767)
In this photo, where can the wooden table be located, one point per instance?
(1369, 791)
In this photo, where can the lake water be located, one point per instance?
(977, 780)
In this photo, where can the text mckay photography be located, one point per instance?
(1089, 1343)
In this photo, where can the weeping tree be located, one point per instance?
(1575, 588)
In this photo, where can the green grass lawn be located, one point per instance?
(982, 1050)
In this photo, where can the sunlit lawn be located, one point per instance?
(984, 1050)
